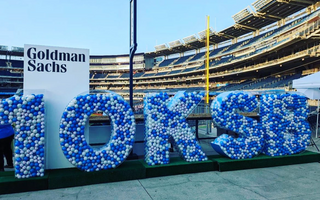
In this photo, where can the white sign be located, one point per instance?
(62, 73)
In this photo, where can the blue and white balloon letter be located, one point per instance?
(72, 128)
(27, 112)
(284, 121)
(165, 118)
(224, 110)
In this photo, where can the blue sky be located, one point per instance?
(102, 26)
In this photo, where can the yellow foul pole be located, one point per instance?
(207, 60)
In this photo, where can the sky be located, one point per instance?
(102, 26)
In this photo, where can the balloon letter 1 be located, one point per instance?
(27, 113)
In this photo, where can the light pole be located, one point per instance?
(133, 43)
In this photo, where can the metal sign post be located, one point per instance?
(133, 43)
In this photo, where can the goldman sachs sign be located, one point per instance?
(46, 60)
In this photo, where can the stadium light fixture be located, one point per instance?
(3, 48)
(17, 49)
(242, 14)
(161, 47)
(203, 34)
(175, 43)
(260, 3)
(190, 39)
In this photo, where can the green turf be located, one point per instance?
(7, 173)
(177, 166)
(61, 178)
(226, 164)
(10, 184)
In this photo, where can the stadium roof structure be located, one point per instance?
(281, 8)
(266, 13)
(111, 56)
(14, 51)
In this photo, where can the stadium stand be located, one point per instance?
(175, 71)
(271, 82)
(190, 69)
(3, 63)
(182, 59)
(149, 74)
(138, 74)
(100, 76)
(265, 49)
(113, 76)
(10, 74)
(198, 56)
(203, 66)
(162, 73)
(167, 62)
(125, 75)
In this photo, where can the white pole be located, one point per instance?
(317, 120)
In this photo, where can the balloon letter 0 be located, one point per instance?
(72, 126)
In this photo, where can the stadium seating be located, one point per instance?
(189, 69)
(3, 63)
(125, 75)
(149, 74)
(113, 76)
(11, 63)
(256, 39)
(216, 51)
(182, 59)
(10, 74)
(16, 63)
(201, 67)
(235, 46)
(263, 83)
(162, 73)
(100, 76)
(197, 56)
(284, 81)
(224, 60)
(242, 44)
(166, 62)
(175, 71)
(139, 74)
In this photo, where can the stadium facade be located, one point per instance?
(265, 49)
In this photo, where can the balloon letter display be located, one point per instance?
(224, 110)
(166, 117)
(284, 121)
(27, 113)
(72, 128)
